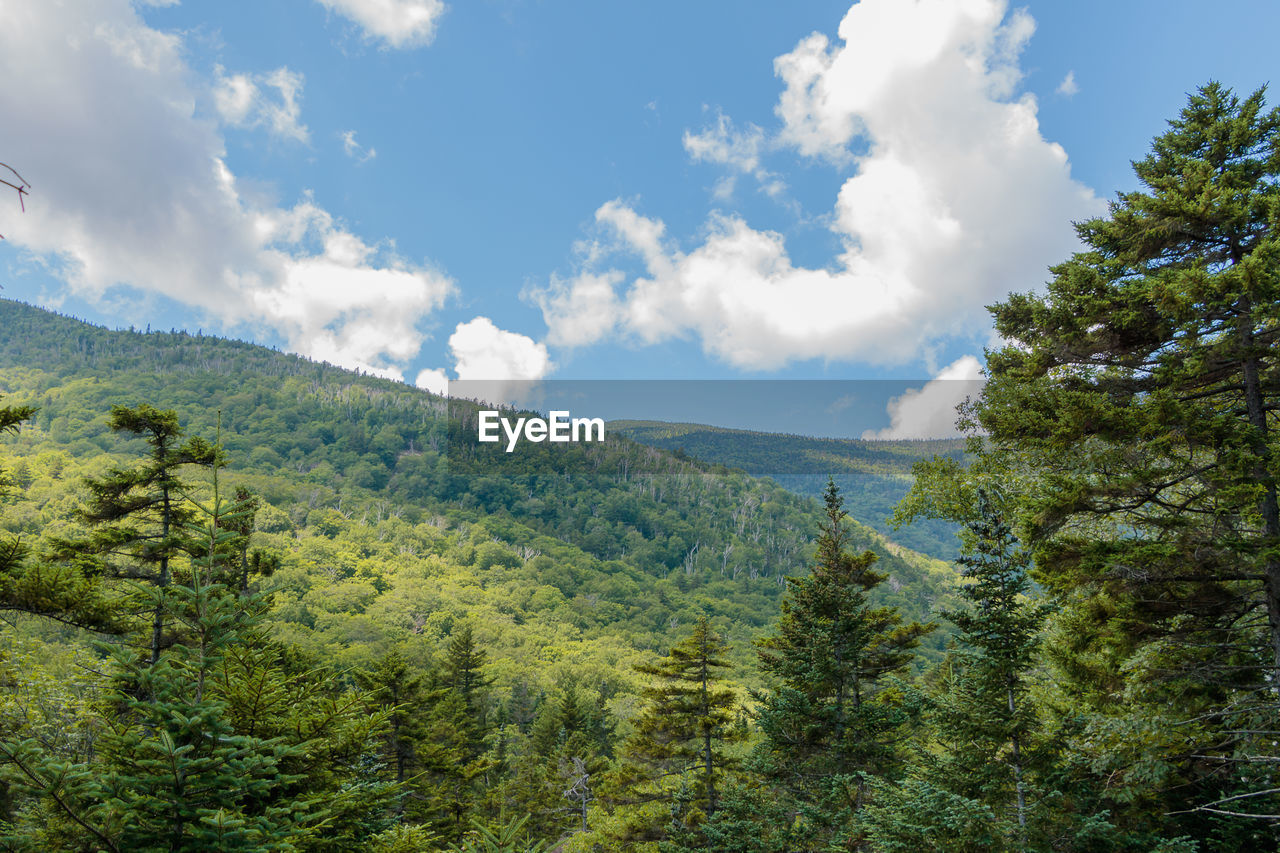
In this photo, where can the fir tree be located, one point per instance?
(29, 584)
(988, 715)
(451, 751)
(393, 686)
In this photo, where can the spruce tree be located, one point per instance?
(140, 517)
(394, 687)
(688, 721)
(829, 721)
(30, 584)
(972, 786)
(451, 751)
(568, 750)
(219, 744)
(11, 550)
(1138, 397)
(986, 716)
(170, 771)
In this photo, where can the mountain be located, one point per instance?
(395, 525)
(873, 475)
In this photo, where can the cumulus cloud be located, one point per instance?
(133, 190)
(930, 412)
(955, 200)
(482, 351)
(354, 149)
(580, 310)
(395, 23)
(1068, 86)
(245, 100)
(433, 379)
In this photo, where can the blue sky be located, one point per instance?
(491, 190)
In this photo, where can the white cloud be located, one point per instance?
(354, 149)
(433, 379)
(482, 351)
(725, 144)
(580, 310)
(132, 189)
(1068, 86)
(396, 23)
(930, 412)
(738, 149)
(243, 101)
(955, 200)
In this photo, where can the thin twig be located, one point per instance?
(22, 186)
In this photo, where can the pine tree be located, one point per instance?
(830, 719)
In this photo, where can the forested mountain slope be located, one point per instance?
(390, 523)
(873, 475)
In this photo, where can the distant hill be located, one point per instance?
(395, 525)
(873, 475)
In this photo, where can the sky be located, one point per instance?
(513, 189)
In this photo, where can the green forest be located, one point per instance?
(873, 475)
(252, 602)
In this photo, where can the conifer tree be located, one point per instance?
(556, 769)
(170, 770)
(1139, 398)
(451, 750)
(29, 584)
(394, 687)
(688, 721)
(140, 518)
(973, 788)
(986, 717)
(829, 720)
(214, 746)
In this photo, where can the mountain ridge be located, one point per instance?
(628, 543)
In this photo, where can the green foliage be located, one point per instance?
(394, 637)
(641, 541)
(183, 755)
(506, 837)
(833, 715)
(1140, 392)
(687, 724)
(917, 816)
(983, 718)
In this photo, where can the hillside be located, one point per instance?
(873, 475)
(565, 557)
